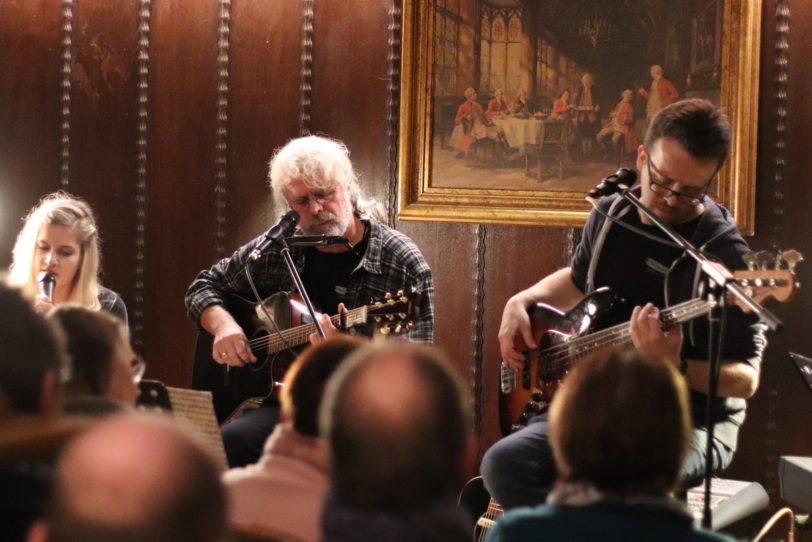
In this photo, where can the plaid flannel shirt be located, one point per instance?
(392, 262)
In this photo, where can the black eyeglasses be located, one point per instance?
(321, 197)
(690, 196)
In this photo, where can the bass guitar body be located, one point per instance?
(533, 387)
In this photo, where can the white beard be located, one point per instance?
(332, 224)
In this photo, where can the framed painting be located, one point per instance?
(509, 108)
(706, 38)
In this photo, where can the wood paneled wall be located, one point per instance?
(199, 94)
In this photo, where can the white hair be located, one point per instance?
(320, 163)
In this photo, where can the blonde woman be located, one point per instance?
(60, 237)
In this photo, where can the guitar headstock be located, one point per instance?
(769, 275)
(396, 313)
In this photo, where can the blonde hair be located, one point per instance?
(318, 162)
(60, 209)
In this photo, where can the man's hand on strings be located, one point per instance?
(231, 346)
(327, 325)
(515, 323)
(652, 342)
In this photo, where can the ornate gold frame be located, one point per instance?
(419, 200)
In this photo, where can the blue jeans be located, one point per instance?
(519, 470)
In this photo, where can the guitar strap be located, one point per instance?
(599, 240)
(617, 211)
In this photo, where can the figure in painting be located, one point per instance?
(661, 93)
(586, 114)
(497, 106)
(562, 108)
(524, 107)
(619, 127)
(473, 125)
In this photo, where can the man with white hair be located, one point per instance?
(313, 176)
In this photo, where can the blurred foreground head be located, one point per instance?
(395, 416)
(135, 478)
(621, 424)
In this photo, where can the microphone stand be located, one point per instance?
(721, 282)
(307, 241)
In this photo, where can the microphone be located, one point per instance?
(618, 181)
(47, 283)
(284, 228)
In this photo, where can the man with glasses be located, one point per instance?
(685, 147)
(314, 177)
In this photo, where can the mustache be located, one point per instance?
(323, 216)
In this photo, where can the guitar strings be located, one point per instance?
(560, 356)
(268, 316)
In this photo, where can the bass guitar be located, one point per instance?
(275, 342)
(563, 339)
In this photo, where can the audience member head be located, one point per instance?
(307, 378)
(60, 236)
(103, 360)
(32, 356)
(602, 430)
(396, 420)
(697, 125)
(135, 478)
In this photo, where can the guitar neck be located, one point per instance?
(560, 358)
(299, 335)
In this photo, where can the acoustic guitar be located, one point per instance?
(563, 339)
(276, 341)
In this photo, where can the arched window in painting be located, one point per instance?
(500, 50)
(485, 51)
(446, 45)
(498, 53)
(513, 53)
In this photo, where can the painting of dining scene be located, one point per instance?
(554, 95)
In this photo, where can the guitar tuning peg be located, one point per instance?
(402, 315)
(390, 317)
(410, 325)
(398, 328)
(385, 330)
(793, 258)
(400, 293)
(388, 296)
(750, 260)
(764, 259)
(377, 319)
(779, 260)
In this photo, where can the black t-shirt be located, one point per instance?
(643, 270)
(326, 274)
(639, 277)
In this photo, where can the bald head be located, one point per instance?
(395, 417)
(139, 477)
